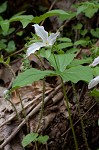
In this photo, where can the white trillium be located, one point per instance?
(93, 82)
(46, 40)
(95, 62)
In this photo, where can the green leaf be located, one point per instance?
(5, 25)
(72, 50)
(64, 39)
(11, 47)
(89, 8)
(3, 7)
(29, 76)
(67, 16)
(61, 61)
(96, 71)
(78, 26)
(81, 42)
(77, 62)
(94, 92)
(32, 137)
(24, 19)
(64, 45)
(56, 12)
(77, 73)
(46, 53)
(2, 45)
(43, 139)
(83, 32)
(90, 12)
(1, 18)
(95, 33)
(81, 8)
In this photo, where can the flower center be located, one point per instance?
(47, 43)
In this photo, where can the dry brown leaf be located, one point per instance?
(15, 97)
(6, 74)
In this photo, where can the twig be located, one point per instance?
(14, 115)
(33, 112)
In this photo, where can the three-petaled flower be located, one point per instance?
(95, 62)
(94, 81)
(46, 40)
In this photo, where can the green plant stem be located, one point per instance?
(18, 117)
(36, 146)
(81, 119)
(42, 106)
(66, 99)
(43, 94)
(23, 111)
(13, 73)
(69, 112)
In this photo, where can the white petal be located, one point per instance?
(93, 82)
(52, 37)
(41, 32)
(95, 62)
(34, 47)
(5, 92)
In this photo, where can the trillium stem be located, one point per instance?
(67, 103)
(12, 71)
(42, 106)
(43, 95)
(81, 120)
(69, 112)
(23, 111)
(15, 110)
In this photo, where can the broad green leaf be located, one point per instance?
(81, 8)
(24, 19)
(89, 8)
(64, 39)
(72, 50)
(5, 25)
(67, 16)
(3, 7)
(77, 62)
(83, 32)
(56, 12)
(94, 92)
(77, 73)
(64, 45)
(1, 18)
(45, 53)
(2, 45)
(32, 137)
(61, 61)
(29, 76)
(11, 47)
(96, 71)
(95, 33)
(43, 139)
(81, 42)
(90, 12)
(78, 26)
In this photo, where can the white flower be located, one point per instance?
(46, 40)
(93, 82)
(5, 92)
(95, 62)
